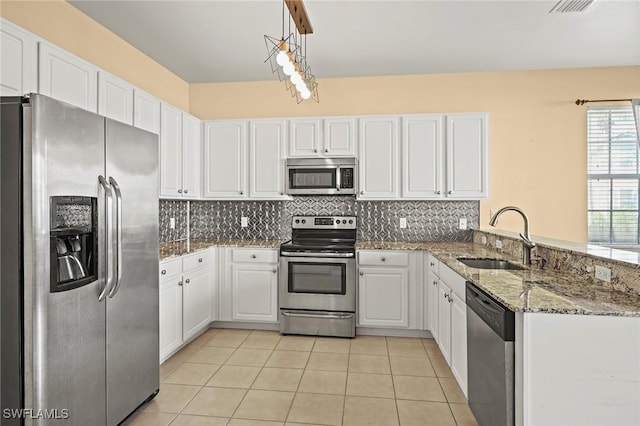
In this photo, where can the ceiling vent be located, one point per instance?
(571, 6)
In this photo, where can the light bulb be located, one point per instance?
(305, 94)
(288, 68)
(296, 78)
(282, 58)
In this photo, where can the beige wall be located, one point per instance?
(537, 135)
(64, 25)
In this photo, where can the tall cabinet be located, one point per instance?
(225, 151)
(378, 158)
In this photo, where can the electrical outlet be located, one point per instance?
(172, 223)
(498, 244)
(483, 239)
(603, 274)
(244, 221)
(462, 223)
(403, 222)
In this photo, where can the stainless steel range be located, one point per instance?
(317, 285)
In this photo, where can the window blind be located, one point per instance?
(613, 176)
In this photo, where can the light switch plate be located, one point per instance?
(244, 221)
(603, 274)
(483, 239)
(403, 222)
(462, 223)
(498, 244)
(172, 223)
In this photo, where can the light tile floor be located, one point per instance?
(260, 378)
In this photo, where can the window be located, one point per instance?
(613, 176)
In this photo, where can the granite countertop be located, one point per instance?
(180, 248)
(529, 290)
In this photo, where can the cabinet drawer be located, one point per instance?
(170, 268)
(254, 255)
(197, 260)
(433, 264)
(453, 280)
(383, 258)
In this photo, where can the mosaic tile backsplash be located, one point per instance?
(377, 220)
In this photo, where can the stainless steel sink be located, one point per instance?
(487, 263)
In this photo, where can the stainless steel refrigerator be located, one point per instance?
(79, 276)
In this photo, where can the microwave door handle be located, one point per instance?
(108, 191)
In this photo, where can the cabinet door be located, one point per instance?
(467, 173)
(191, 157)
(146, 111)
(170, 152)
(196, 293)
(170, 316)
(433, 301)
(304, 138)
(339, 137)
(67, 78)
(383, 299)
(225, 161)
(266, 159)
(378, 158)
(459, 341)
(444, 321)
(422, 157)
(115, 98)
(18, 60)
(254, 292)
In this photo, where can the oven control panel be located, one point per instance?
(324, 222)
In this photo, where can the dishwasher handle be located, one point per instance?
(497, 316)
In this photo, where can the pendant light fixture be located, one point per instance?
(287, 55)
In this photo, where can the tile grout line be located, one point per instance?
(393, 384)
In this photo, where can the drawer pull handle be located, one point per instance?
(253, 256)
(433, 264)
(435, 282)
(200, 260)
(164, 272)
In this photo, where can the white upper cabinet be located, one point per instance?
(146, 111)
(304, 138)
(378, 165)
(266, 159)
(422, 165)
(339, 137)
(68, 78)
(225, 165)
(329, 137)
(170, 152)
(115, 98)
(18, 60)
(191, 158)
(467, 174)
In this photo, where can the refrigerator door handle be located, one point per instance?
(108, 191)
(118, 280)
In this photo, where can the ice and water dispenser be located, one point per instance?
(73, 242)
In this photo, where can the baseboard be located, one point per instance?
(391, 332)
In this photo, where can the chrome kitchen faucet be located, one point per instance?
(527, 243)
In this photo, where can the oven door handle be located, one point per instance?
(304, 254)
(330, 316)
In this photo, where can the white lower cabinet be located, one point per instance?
(252, 285)
(388, 289)
(187, 287)
(430, 295)
(452, 323)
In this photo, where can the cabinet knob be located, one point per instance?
(361, 192)
(180, 283)
(186, 191)
(274, 270)
(200, 260)
(383, 258)
(241, 192)
(315, 150)
(164, 272)
(187, 281)
(432, 264)
(253, 256)
(281, 193)
(435, 282)
(450, 192)
(326, 150)
(361, 273)
(438, 192)
(179, 191)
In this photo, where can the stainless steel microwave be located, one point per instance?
(321, 176)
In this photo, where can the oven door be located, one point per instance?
(317, 283)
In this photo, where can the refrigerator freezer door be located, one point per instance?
(64, 331)
(132, 308)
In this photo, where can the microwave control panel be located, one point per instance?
(346, 177)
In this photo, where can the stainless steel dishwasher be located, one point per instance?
(490, 348)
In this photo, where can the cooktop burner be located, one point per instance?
(324, 234)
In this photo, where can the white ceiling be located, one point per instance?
(221, 41)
